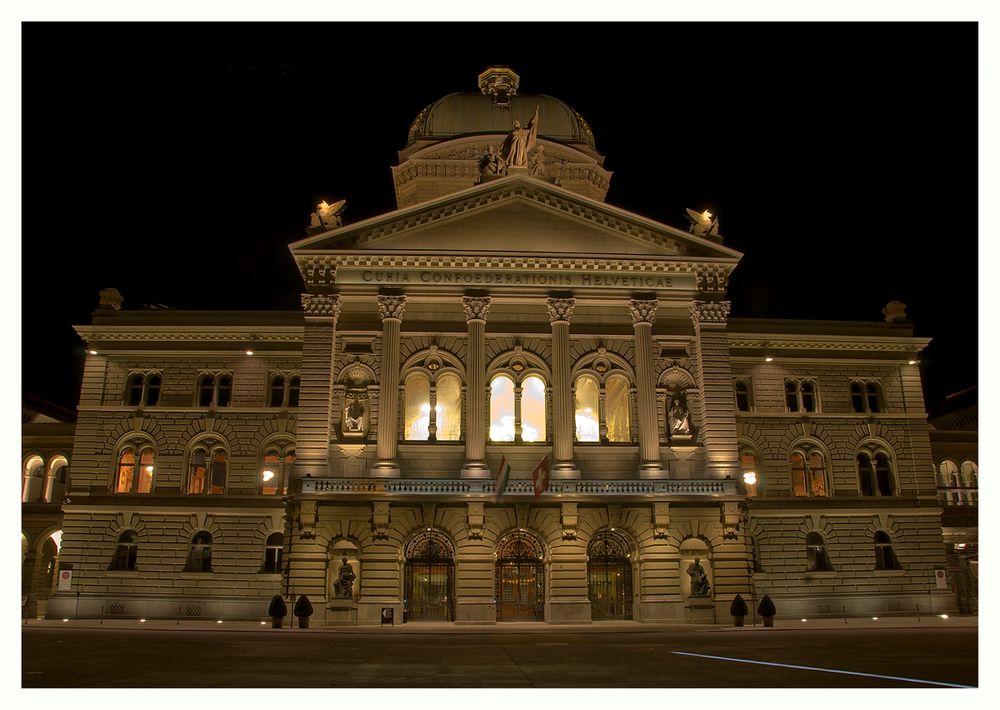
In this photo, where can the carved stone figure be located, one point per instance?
(355, 416)
(699, 580)
(895, 312)
(519, 142)
(343, 588)
(679, 417)
(491, 163)
(538, 162)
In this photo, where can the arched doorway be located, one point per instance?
(609, 576)
(429, 578)
(520, 578)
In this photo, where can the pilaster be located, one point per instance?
(643, 314)
(714, 378)
(563, 429)
(391, 312)
(476, 309)
(316, 384)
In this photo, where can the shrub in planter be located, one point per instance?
(767, 610)
(303, 610)
(277, 611)
(738, 609)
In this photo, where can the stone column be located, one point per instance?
(643, 315)
(313, 431)
(476, 309)
(714, 378)
(390, 309)
(563, 428)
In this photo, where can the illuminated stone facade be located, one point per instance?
(500, 316)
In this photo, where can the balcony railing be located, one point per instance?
(520, 488)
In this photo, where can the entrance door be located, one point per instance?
(520, 579)
(429, 578)
(609, 577)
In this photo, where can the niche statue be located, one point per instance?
(343, 588)
(699, 580)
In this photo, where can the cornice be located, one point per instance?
(858, 343)
(190, 334)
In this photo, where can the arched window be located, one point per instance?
(752, 478)
(502, 409)
(215, 390)
(533, 409)
(34, 480)
(126, 552)
(970, 474)
(143, 389)
(200, 553)
(207, 471)
(801, 396)
(866, 397)
(619, 409)
(135, 470)
(273, 549)
(276, 470)
(857, 397)
(283, 391)
(587, 398)
(744, 398)
(817, 560)
(448, 410)
(808, 472)
(416, 408)
(57, 479)
(875, 474)
(885, 557)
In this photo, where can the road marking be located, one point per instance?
(823, 670)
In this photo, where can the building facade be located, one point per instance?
(663, 457)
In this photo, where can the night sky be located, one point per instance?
(176, 162)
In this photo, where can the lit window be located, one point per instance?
(207, 471)
(619, 410)
(750, 472)
(200, 554)
(135, 471)
(126, 552)
(273, 549)
(808, 473)
(34, 480)
(143, 389)
(587, 409)
(817, 560)
(502, 409)
(533, 409)
(885, 556)
(417, 408)
(449, 407)
(276, 469)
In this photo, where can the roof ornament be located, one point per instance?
(703, 224)
(500, 82)
(895, 312)
(326, 216)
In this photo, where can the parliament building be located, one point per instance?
(503, 320)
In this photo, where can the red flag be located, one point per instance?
(540, 476)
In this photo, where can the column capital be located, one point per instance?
(391, 307)
(321, 305)
(642, 311)
(476, 307)
(709, 312)
(560, 309)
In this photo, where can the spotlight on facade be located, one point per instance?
(267, 475)
(874, 618)
(65, 619)
(768, 358)
(944, 616)
(250, 351)
(914, 361)
(219, 621)
(263, 623)
(142, 621)
(805, 620)
(92, 352)
(750, 478)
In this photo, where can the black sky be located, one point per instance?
(175, 162)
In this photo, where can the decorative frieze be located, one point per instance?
(321, 305)
(476, 307)
(642, 311)
(560, 309)
(391, 307)
(710, 312)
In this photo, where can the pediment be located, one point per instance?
(516, 214)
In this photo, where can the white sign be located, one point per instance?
(65, 580)
(941, 578)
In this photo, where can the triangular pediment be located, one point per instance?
(516, 214)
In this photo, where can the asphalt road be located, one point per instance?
(87, 658)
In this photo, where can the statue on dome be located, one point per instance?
(519, 142)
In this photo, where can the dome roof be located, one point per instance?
(495, 109)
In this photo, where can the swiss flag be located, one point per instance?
(540, 476)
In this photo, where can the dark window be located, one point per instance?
(792, 395)
(808, 397)
(225, 390)
(134, 396)
(883, 475)
(200, 555)
(272, 553)
(207, 472)
(866, 475)
(126, 552)
(277, 391)
(293, 391)
(743, 396)
(153, 390)
(816, 558)
(885, 557)
(206, 390)
(874, 397)
(857, 399)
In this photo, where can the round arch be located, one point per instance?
(429, 577)
(609, 575)
(520, 577)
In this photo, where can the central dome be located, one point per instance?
(494, 110)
